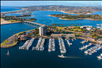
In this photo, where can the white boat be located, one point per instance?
(49, 50)
(61, 56)
(99, 57)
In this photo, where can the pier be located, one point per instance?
(51, 45)
(68, 41)
(62, 46)
(40, 45)
(27, 44)
(84, 41)
(24, 45)
(30, 43)
(85, 47)
(93, 49)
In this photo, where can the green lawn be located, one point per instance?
(4, 43)
(60, 28)
(13, 44)
(77, 30)
(12, 21)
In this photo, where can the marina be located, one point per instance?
(26, 58)
(68, 42)
(61, 45)
(40, 44)
(93, 49)
(27, 44)
(84, 41)
(85, 47)
(51, 45)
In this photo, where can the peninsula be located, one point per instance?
(82, 32)
(14, 19)
(76, 17)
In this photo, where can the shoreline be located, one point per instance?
(75, 13)
(4, 22)
(1, 46)
(87, 39)
(45, 38)
(73, 19)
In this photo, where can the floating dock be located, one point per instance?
(62, 46)
(69, 42)
(27, 44)
(30, 43)
(85, 47)
(93, 49)
(51, 45)
(84, 41)
(40, 45)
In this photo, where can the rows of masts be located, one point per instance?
(68, 41)
(61, 45)
(91, 50)
(84, 41)
(85, 47)
(40, 45)
(27, 44)
(51, 45)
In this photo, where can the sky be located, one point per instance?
(66, 3)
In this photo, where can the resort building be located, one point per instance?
(42, 30)
(63, 35)
(87, 27)
(99, 26)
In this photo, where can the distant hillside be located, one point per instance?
(66, 9)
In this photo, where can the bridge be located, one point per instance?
(33, 23)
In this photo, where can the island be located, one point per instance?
(76, 17)
(14, 19)
(21, 36)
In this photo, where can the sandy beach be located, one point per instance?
(3, 22)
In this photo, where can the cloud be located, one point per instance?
(68, 3)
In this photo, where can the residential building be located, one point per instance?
(42, 30)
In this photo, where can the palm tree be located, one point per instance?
(54, 24)
(70, 24)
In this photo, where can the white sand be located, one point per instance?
(4, 22)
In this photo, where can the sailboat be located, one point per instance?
(8, 53)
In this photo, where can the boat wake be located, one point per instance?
(72, 57)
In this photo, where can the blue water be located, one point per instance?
(44, 18)
(44, 59)
(8, 8)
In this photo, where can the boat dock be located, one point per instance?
(51, 45)
(62, 46)
(30, 43)
(68, 42)
(85, 47)
(27, 44)
(84, 41)
(24, 45)
(93, 49)
(40, 45)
